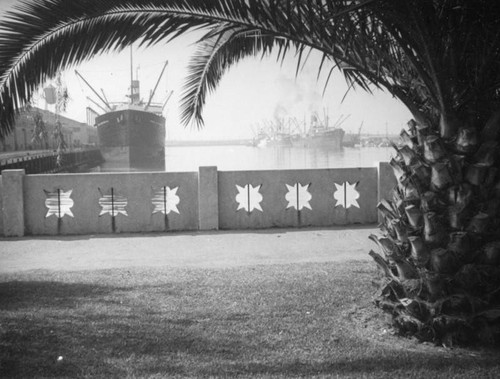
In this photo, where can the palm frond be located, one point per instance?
(434, 56)
(39, 39)
(216, 53)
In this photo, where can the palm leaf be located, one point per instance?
(405, 47)
(211, 60)
(69, 33)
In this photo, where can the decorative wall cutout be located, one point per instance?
(298, 196)
(249, 198)
(112, 203)
(165, 200)
(59, 203)
(346, 195)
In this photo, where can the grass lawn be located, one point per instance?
(297, 320)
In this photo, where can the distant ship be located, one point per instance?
(320, 134)
(273, 133)
(131, 135)
(353, 140)
(275, 139)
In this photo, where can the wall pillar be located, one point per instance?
(13, 203)
(1, 206)
(208, 198)
(386, 182)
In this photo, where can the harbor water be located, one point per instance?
(241, 157)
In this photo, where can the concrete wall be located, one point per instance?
(13, 203)
(208, 197)
(206, 200)
(88, 189)
(1, 207)
(277, 211)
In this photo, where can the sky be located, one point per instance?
(253, 93)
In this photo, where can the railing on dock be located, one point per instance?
(46, 162)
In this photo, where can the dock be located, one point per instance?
(46, 161)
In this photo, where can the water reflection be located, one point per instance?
(236, 157)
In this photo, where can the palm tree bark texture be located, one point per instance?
(439, 250)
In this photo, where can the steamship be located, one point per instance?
(321, 135)
(131, 135)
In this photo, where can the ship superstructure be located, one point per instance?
(131, 135)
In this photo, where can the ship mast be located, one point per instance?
(95, 92)
(166, 101)
(156, 86)
(131, 78)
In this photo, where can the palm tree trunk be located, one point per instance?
(448, 125)
(440, 252)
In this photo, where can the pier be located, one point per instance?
(45, 161)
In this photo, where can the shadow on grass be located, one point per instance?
(93, 331)
(141, 330)
(16, 295)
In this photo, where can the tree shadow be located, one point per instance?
(15, 295)
(92, 332)
(55, 329)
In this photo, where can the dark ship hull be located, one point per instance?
(132, 139)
